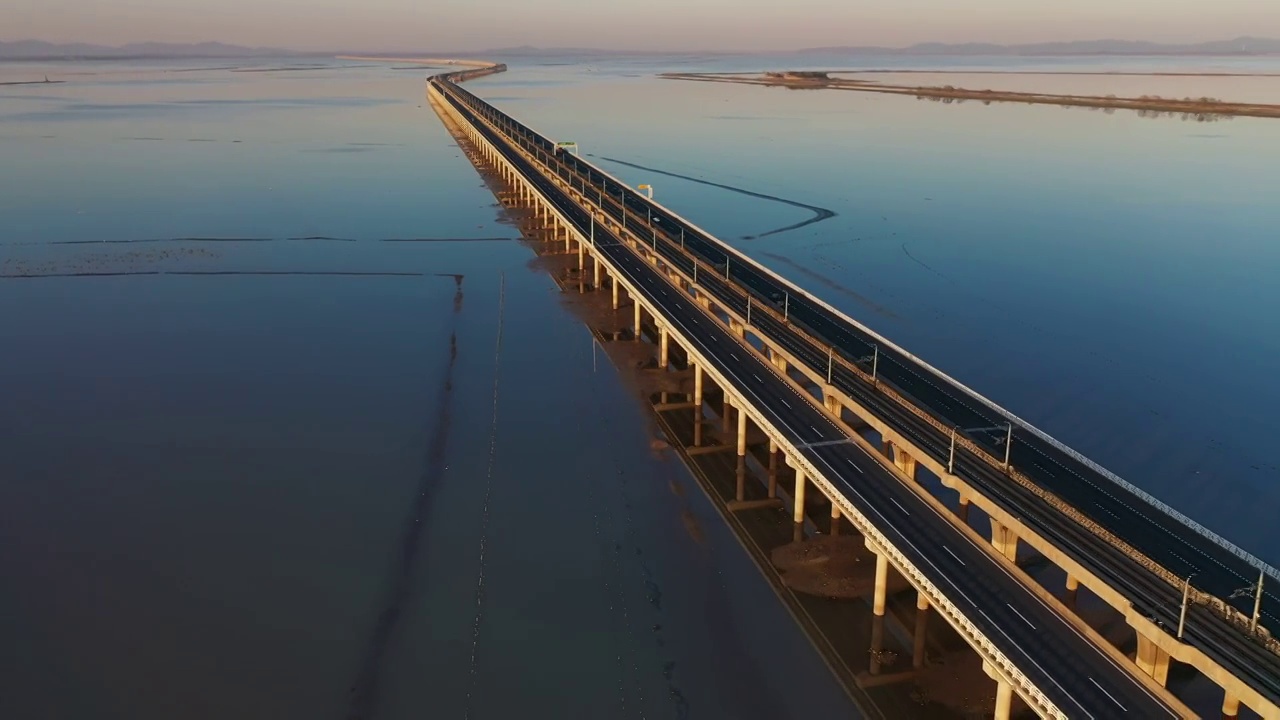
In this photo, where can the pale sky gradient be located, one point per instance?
(629, 24)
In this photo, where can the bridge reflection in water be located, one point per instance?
(802, 408)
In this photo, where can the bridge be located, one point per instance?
(862, 421)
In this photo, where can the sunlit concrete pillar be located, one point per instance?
(697, 388)
(1004, 700)
(1004, 540)
(742, 433)
(882, 583)
(963, 510)
(773, 469)
(1152, 660)
(635, 299)
(1230, 707)
(780, 362)
(615, 293)
(830, 400)
(835, 519)
(1073, 587)
(922, 622)
(726, 417)
(736, 328)
(905, 462)
(663, 346)
(798, 514)
(596, 260)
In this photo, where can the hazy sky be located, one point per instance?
(628, 24)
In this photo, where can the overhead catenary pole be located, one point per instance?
(1008, 445)
(875, 361)
(1182, 614)
(951, 457)
(831, 361)
(1257, 601)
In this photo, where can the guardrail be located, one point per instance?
(1028, 690)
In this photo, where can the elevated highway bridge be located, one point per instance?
(817, 383)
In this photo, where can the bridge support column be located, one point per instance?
(615, 293)
(663, 347)
(830, 400)
(1152, 660)
(742, 435)
(596, 260)
(777, 360)
(1004, 540)
(697, 389)
(963, 510)
(922, 622)
(773, 469)
(635, 299)
(726, 417)
(882, 582)
(1073, 587)
(798, 512)
(1230, 707)
(736, 328)
(1004, 700)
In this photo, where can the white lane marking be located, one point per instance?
(1024, 618)
(784, 402)
(735, 357)
(1104, 692)
(815, 430)
(904, 510)
(757, 377)
(854, 464)
(957, 557)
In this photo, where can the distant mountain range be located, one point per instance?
(40, 50)
(1238, 46)
(37, 50)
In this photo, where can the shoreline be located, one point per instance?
(819, 80)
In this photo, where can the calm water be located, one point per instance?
(261, 496)
(214, 486)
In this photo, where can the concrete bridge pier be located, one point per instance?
(773, 469)
(829, 399)
(1004, 693)
(918, 637)
(1152, 659)
(742, 437)
(639, 313)
(596, 259)
(797, 533)
(1073, 588)
(1230, 707)
(1004, 540)
(835, 520)
(615, 293)
(901, 458)
(664, 348)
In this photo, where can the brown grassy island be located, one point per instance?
(1203, 107)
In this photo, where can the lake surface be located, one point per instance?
(259, 496)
